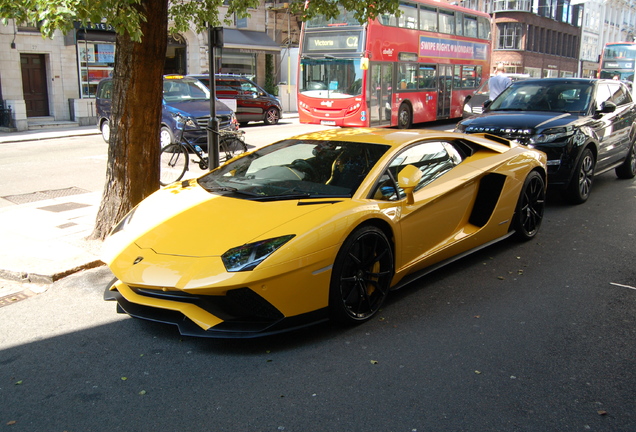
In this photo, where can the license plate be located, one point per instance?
(328, 122)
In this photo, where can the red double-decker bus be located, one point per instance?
(392, 71)
(618, 61)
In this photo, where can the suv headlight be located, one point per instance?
(551, 136)
(247, 257)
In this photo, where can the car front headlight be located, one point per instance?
(124, 222)
(551, 136)
(248, 256)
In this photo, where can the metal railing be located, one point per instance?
(6, 119)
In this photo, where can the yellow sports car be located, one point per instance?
(318, 226)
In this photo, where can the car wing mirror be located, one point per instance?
(487, 103)
(408, 179)
(607, 107)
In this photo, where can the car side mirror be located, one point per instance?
(487, 103)
(408, 179)
(607, 107)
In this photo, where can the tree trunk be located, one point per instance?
(133, 149)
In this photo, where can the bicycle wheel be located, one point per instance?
(173, 163)
(230, 146)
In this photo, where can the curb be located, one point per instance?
(35, 278)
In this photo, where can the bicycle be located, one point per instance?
(175, 157)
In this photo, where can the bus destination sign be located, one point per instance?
(330, 42)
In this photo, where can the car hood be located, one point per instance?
(193, 222)
(494, 121)
(200, 108)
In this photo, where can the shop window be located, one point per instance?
(96, 62)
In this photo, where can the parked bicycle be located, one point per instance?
(175, 157)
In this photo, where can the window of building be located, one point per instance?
(509, 36)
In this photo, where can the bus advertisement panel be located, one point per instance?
(392, 71)
(618, 61)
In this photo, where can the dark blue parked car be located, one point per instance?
(184, 95)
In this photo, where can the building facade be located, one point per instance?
(54, 80)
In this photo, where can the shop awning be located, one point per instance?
(248, 40)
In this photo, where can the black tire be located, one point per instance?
(166, 136)
(405, 118)
(530, 207)
(628, 169)
(580, 186)
(361, 276)
(230, 147)
(105, 130)
(271, 116)
(173, 163)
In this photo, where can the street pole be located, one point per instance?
(215, 40)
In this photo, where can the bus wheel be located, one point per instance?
(404, 117)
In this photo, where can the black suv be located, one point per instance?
(585, 126)
(252, 102)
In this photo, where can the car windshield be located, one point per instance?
(184, 89)
(294, 169)
(570, 97)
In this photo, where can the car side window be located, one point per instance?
(620, 95)
(603, 94)
(432, 158)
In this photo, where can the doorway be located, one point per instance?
(381, 93)
(34, 85)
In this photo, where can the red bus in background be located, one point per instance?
(415, 68)
(618, 61)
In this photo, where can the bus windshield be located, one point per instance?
(330, 78)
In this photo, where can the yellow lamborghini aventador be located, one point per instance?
(318, 226)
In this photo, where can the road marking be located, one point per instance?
(623, 286)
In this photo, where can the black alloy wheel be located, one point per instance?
(529, 211)
(628, 168)
(581, 184)
(361, 276)
(405, 118)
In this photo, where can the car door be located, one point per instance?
(248, 102)
(442, 201)
(612, 128)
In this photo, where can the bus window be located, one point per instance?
(408, 19)
(427, 77)
(483, 27)
(470, 26)
(446, 21)
(428, 18)
(407, 76)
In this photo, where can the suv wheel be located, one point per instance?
(271, 116)
(581, 184)
(628, 169)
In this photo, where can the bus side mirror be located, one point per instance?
(408, 179)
